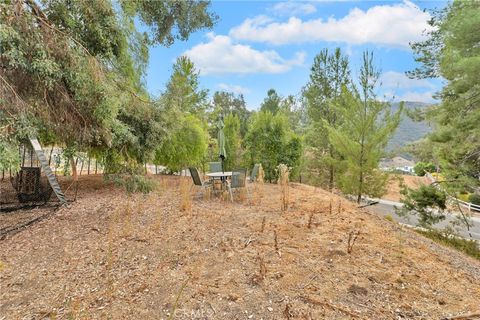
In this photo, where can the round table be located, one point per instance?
(219, 174)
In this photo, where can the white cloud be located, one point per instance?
(220, 55)
(398, 80)
(390, 25)
(233, 88)
(426, 97)
(292, 8)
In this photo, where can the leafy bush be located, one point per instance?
(422, 168)
(270, 141)
(186, 145)
(427, 202)
(133, 183)
(474, 198)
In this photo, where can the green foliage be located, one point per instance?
(73, 70)
(186, 145)
(233, 142)
(133, 183)
(452, 52)
(272, 102)
(183, 89)
(329, 74)
(367, 125)
(421, 168)
(225, 103)
(474, 198)
(469, 247)
(270, 141)
(9, 157)
(427, 202)
(170, 20)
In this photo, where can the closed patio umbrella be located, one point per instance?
(221, 142)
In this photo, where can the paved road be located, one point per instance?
(386, 207)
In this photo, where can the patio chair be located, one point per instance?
(197, 180)
(215, 166)
(254, 173)
(239, 179)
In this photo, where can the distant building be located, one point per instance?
(397, 164)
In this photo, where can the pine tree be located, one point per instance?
(330, 72)
(233, 141)
(452, 52)
(367, 125)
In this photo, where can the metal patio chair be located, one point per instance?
(197, 180)
(215, 166)
(254, 173)
(239, 180)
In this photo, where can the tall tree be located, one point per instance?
(74, 68)
(329, 74)
(183, 89)
(452, 52)
(271, 102)
(225, 103)
(367, 125)
(233, 141)
(270, 141)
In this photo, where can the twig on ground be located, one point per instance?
(468, 316)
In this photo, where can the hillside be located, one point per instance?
(408, 131)
(119, 256)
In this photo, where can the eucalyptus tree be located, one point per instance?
(75, 69)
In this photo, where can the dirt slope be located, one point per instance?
(113, 256)
(394, 187)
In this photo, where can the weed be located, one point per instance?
(352, 237)
(389, 217)
(185, 199)
(310, 220)
(262, 267)
(283, 182)
(275, 241)
(133, 183)
(263, 224)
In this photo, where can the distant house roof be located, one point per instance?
(396, 162)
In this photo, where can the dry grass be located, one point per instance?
(394, 185)
(283, 180)
(223, 261)
(185, 195)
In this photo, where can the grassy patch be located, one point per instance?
(133, 183)
(469, 247)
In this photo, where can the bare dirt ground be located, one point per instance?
(394, 187)
(118, 256)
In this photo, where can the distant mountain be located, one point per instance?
(408, 131)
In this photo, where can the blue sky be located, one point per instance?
(258, 45)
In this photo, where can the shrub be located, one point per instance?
(422, 168)
(133, 183)
(427, 202)
(474, 198)
(469, 247)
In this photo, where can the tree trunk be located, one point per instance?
(50, 157)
